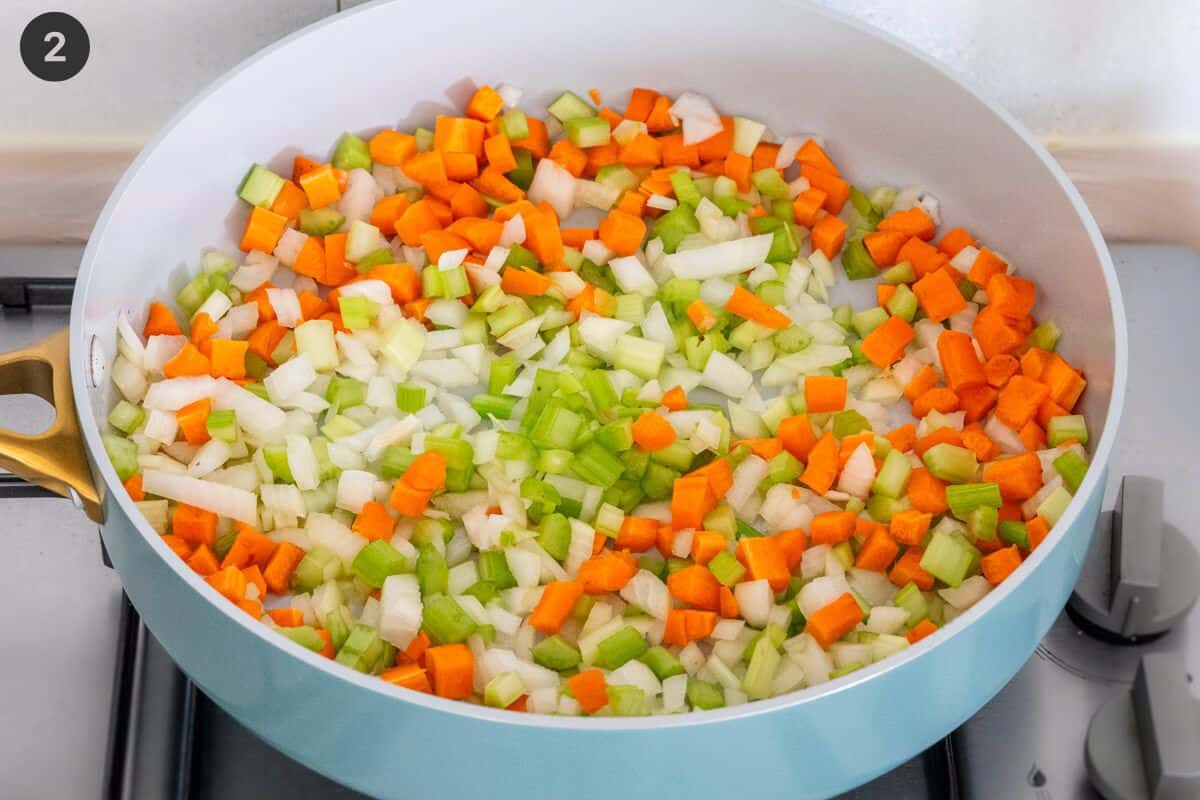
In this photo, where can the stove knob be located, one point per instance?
(1144, 744)
(1142, 575)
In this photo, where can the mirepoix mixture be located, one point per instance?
(438, 426)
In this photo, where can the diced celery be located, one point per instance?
(427, 532)
(361, 649)
(305, 636)
(843, 315)
(320, 221)
(596, 465)
(339, 427)
(556, 427)
(722, 520)
(619, 177)
(432, 572)
(981, 522)
(445, 621)
(123, 454)
(599, 388)
(949, 557)
(868, 320)
(382, 255)
(951, 463)
(555, 653)
(685, 188)
(587, 131)
(1073, 469)
(903, 303)
(315, 339)
(351, 153)
(482, 591)
(849, 422)
(626, 701)
(727, 569)
(792, 339)
(222, 425)
(893, 475)
(773, 293)
(783, 468)
(745, 529)
(966, 497)
(769, 182)
(658, 481)
(554, 535)
(126, 417)
(909, 598)
(508, 317)
(568, 106)
(1053, 507)
(498, 406)
(522, 174)
(676, 455)
(1065, 428)
(375, 562)
(704, 695)
(616, 436)
(857, 262)
(316, 567)
(881, 508)
(493, 568)
(1013, 531)
(662, 662)
(620, 647)
(410, 398)
(514, 125)
(260, 187)
(763, 664)
(503, 690)
(899, 274)
(1044, 336)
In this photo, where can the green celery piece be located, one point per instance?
(849, 422)
(626, 701)
(1064, 428)
(675, 226)
(662, 662)
(554, 535)
(445, 621)
(616, 436)
(503, 690)
(764, 662)
(727, 569)
(981, 522)
(458, 452)
(276, 458)
(745, 529)
(260, 187)
(792, 339)
(857, 262)
(361, 648)
(964, 498)
(899, 273)
(731, 206)
(556, 654)
(410, 398)
(770, 183)
(320, 221)
(951, 463)
(1053, 507)
(394, 461)
(482, 591)
(588, 131)
(1045, 336)
(949, 557)
(498, 406)
(868, 320)
(893, 475)
(543, 498)
(721, 520)
(599, 389)
(846, 670)
(493, 568)
(568, 106)
(685, 188)
(676, 564)
(783, 468)
(653, 564)
(317, 566)
(426, 531)
(903, 303)
(502, 372)
(911, 600)
(305, 636)
(704, 695)
(556, 427)
(617, 176)
(345, 392)
(865, 208)
(881, 508)
(658, 481)
(127, 418)
(222, 425)
(351, 153)
(373, 259)
(375, 562)
(514, 125)
(522, 174)
(596, 465)
(622, 646)
(1073, 469)
(773, 293)
(1013, 531)
(433, 574)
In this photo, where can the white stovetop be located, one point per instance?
(61, 604)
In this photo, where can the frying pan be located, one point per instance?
(888, 114)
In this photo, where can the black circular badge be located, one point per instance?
(55, 46)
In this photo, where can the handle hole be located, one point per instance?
(26, 414)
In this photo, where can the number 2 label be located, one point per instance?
(52, 55)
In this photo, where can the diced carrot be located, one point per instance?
(320, 186)
(408, 500)
(945, 435)
(764, 558)
(180, 547)
(392, 148)
(417, 648)
(691, 499)
(675, 399)
(878, 551)
(543, 237)
(925, 379)
(229, 581)
(999, 565)
(822, 467)
(569, 157)
(696, 586)
(676, 153)
(806, 205)
(203, 561)
(749, 306)
(622, 232)
(1019, 477)
(452, 670)
(1019, 401)
(1037, 529)
(193, 419)
(913, 221)
(926, 492)
(700, 315)
(824, 393)
(498, 151)
(979, 442)
(924, 257)
(885, 345)
(832, 527)
(986, 265)
(485, 104)
(189, 361)
(765, 154)
(1048, 410)
(387, 211)
(813, 154)
(919, 631)
(254, 577)
(589, 690)
(908, 569)
(835, 620)
(410, 676)
(955, 240)
(939, 296)
(1012, 297)
(995, 334)
(903, 438)
(301, 166)
(229, 358)
(850, 443)
(643, 150)
(374, 522)
(641, 101)
(599, 157)
(652, 432)
(160, 322)
(738, 168)
(637, 534)
(719, 475)
(133, 487)
(730, 609)
(909, 526)
(250, 548)
(278, 572)
(402, 279)
(552, 610)
(999, 368)
(797, 436)
(884, 246)
(828, 235)
(976, 401)
(1063, 381)
(837, 191)
(608, 571)
(659, 119)
(960, 364)
(290, 201)
(457, 135)
(938, 399)
(793, 542)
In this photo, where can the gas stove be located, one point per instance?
(110, 716)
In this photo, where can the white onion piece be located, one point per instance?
(224, 501)
(290, 378)
(175, 393)
(727, 258)
(555, 185)
(513, 231)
